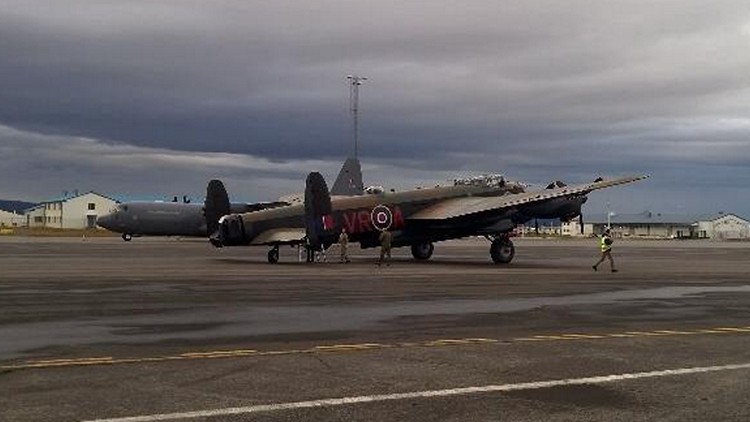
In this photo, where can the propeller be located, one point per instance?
(215, 207)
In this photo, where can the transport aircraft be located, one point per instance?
(488, 206)
(143, 218)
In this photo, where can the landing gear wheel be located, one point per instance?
(273, 256)
(127, 237)
(502, 251)
(422, 251)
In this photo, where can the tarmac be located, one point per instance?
(171, 329)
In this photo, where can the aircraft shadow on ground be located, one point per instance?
(397, 262)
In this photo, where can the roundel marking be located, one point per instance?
(381, 217)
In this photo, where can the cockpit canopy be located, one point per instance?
(485, 180)
(374, 190)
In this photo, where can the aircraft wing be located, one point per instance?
(289, 235)
(465, 206)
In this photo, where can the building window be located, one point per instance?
(38, 219)
(92, 206)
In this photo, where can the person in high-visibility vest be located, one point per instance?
(605, 245)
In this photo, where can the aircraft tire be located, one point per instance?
(422, 251)
(502, 251)
(127, 237)
(273, 256)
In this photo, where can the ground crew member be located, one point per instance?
(320, 254)
(605, 245)
(385, 247)
(344, 244)
(310, 253)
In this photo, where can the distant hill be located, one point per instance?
(17, 206)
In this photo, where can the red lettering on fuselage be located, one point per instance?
(350, 221)
(364, 221)
(398, 218)
(359, 221)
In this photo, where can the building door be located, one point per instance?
(90, 221)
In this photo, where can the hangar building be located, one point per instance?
(11, 219)
(75, 212)
(721, 226)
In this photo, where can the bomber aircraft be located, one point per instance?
(143, 218)
(488, 206)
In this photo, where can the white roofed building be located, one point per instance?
(721, 226)
(724, 227)
(75, 212)
(11, 219)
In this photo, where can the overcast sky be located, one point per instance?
(151, 98)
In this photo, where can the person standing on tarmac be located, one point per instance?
(344, 244)
(385, 247)
(605, 245)
(309, 252)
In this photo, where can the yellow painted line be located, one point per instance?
(482, 340)
(216, 354)
(336, 347)
(284, 352)
(583, 336)
(732, 329)
(220, 353)
(645, 333)
(445, 342)
(54, 361)
(554, 338)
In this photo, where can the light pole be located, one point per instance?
(354, 82)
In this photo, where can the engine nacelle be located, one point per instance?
(566, 208)
(231, 232)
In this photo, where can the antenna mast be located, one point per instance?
(354, 82)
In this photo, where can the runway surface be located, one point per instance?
(170, 329)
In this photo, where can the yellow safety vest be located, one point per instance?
(604, 247)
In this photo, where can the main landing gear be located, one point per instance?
(422, 251)
(273, 255)
(127, 237)
(502, 250)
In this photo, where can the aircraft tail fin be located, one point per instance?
(318, 209)
(216, 205)
(349, 181)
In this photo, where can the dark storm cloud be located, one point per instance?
(538, 90)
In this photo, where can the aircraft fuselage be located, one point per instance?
(365, 216)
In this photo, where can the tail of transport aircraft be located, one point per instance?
(349, 180)
(318, 209)
(216, 205)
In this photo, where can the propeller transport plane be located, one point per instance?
(145, 218)
(488, 206)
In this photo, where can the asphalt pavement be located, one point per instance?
(173, 329)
